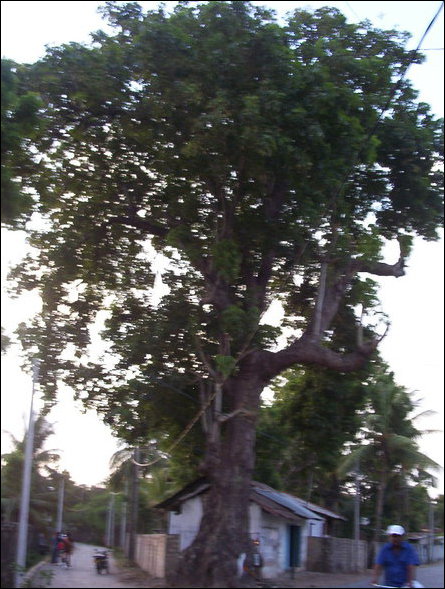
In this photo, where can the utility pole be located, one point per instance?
(123, 530)
(59, 524)
(431, 534)
(357, 515)
(109, 535)
(22, 539)
(134, 505)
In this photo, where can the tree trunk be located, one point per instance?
(211, 560)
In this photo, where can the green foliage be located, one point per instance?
(302, 434)
(388, 455)
(234, 321)
(20, 125)
(225, 364)
(227, 259)
(84, 509)
(5, 342)
(243, 152)
(41, 502)
(438, 512)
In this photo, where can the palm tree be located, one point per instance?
(41, 501)
(140, 474)
(388, 447)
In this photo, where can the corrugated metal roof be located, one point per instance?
(322, 510)
(289, 502)
(276, 502)
(191, 490)
(274, 508)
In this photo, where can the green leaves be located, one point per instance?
(227, 259)
(225, 364)
(20, 125)
(243, 150)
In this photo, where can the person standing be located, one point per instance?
(42, 544)
(397, 559)
(253, 562)
(69, 547)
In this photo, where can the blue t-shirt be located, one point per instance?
(395, 562)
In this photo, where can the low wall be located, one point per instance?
(336, 555)
(156, 554)
(38, 576)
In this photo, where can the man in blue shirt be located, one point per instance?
(398, 559)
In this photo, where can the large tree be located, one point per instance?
(266, 162)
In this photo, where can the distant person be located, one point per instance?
(61, 549)
(57, 538)
(398, 560)
(65, 547)
(69, 547)
(42, 545)
(253, 562)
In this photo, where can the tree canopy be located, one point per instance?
(20, 125)
(263, 162)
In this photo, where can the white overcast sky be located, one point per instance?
(414, 303)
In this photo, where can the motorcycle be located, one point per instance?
(101, 561)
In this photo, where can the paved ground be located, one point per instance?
(431, 576)
(309, 579)
(83, 574)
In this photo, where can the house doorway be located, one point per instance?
(294, 546)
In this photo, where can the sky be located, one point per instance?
(414, 346)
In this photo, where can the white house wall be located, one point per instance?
(316, 527)
(273, 545)
(186, 523)
(273, 533)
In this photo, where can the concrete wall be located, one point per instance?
(335, 555)
(156, 553)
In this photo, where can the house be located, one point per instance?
(281, 522)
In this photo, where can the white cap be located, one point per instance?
(395, 530)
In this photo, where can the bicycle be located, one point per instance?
(415, 584)
(65, 559)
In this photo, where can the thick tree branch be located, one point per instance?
(303, 351)
(262, 279)
(380, 268)
(217, 292)
(327, 305)
(320, 302)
